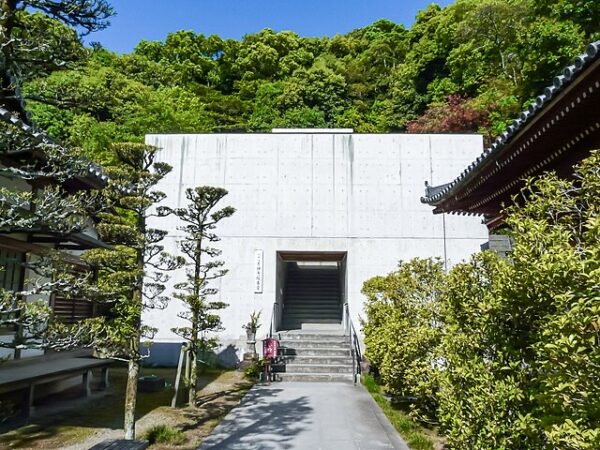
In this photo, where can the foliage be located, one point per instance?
(30, 160)
(517, 341)
(163, 434)
(27, 311)
(401, 333)
(255, 369)
(454, 116)
(559, 228)
(489, 57)
(132, 273)
(254, 323)
(200, 219)
(40, 36)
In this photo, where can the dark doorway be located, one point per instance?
(311, 289)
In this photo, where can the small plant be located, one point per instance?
(370, 384)
(163, 434)
(253, 371)
(254, 323)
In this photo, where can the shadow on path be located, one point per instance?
(261, 421)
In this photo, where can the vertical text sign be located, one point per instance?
(258, 271)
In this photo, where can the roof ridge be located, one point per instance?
(559, 83)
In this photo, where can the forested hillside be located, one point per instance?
(467, 67)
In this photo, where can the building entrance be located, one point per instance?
(311, 289)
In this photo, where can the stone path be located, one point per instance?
(315, 416)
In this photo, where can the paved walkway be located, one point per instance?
(305, 416)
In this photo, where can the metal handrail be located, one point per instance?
(273, 318)
(355, 350)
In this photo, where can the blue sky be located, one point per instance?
(153, 19)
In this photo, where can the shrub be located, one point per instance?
(253, 371)
(505, 352)
(522, 338)
(163, 434)
(402, 333)
(482, 386)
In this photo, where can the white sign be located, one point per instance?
(258, 271)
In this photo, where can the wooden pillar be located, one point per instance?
(86, 388)
(28, 408)
(104, 384)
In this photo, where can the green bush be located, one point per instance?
(505, 353)
(401, 333)
(163, 434)
(253, 371)
(483, 384)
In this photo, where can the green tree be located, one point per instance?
(39, 36)
(200, 219)
(132, 275)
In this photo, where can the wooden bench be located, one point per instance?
(28, 375)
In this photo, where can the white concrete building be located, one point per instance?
(328, 199)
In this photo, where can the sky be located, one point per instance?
(154, 19)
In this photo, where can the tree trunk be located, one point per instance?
(193, 360)
(193, 353)
(134, 357)
(130, 398)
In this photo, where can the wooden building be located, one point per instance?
(19, 148)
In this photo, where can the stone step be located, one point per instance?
(313, 335)
(311, 281)
(307, 338)
(316, 377)
(317, 359)
(302, 316)
(313, 305)
(295, 315)
(316, 297)
(318, 368)
(297, 323)
(323, 351)
(332, 290)
(301, 346)
(314, 343)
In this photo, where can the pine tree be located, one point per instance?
(132, 274)
(40, 36)
(199, 220)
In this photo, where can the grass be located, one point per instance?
(163, 434)
(219, 391)
(416, 436)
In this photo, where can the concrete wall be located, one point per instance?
(355, 193)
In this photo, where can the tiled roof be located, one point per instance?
(39, 137)
(434, 195)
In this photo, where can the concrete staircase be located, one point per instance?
(314, 355)
(312, 295)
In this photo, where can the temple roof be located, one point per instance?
(93, 177)
(550, 134)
